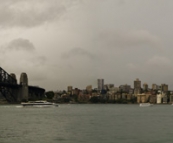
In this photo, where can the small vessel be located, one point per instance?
(145, 104)
(38, 104)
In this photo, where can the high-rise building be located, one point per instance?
(155, 87)
(164, 87)
(145, 86)
(100, 83)
(125, 88)
(69, 88)
(137, 86)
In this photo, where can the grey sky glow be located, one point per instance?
(74, 42)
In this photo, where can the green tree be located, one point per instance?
(49, 94)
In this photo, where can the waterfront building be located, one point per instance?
(143, 98)
(154, 87)
(124, 96)
(129, 96)
(114, 89)
(137, 87)
(145, 87)
(125, 88)
(152, 99)
(165, 99)
(131, 91)
(70, 90)
(76, 91)
(83, 97)
(112, 97)
(100, 83)
(164, 87)
(159, 98)
(171, 98)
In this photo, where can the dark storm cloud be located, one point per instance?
(30, 13)
(77, 52)
(20, 44)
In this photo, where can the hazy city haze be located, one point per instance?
(75, 42)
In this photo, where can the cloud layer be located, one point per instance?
(75, 42)
(30, 13)
(20, 44)
(128, 39)
(77, 52)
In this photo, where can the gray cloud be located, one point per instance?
(77, 52)
(39, 60)
(159, 61)
(121, 2)
(20, 44)
(119, 40)
(157, 66)
(30, 13)
(126, 39)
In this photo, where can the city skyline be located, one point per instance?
(76, 42)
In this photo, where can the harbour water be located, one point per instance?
(87, 123)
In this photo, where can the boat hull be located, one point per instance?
(39, 104)
(145, 105)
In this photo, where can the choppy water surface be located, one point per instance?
(87, 123)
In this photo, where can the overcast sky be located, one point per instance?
(74, 42)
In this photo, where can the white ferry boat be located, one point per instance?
(38, 104)
(145, 105)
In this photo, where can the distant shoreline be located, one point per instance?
(17, 103)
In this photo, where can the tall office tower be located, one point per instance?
(145, 86)
(137, 86)
(100, 84)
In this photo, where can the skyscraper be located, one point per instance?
(137, 87)
(100, 83)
